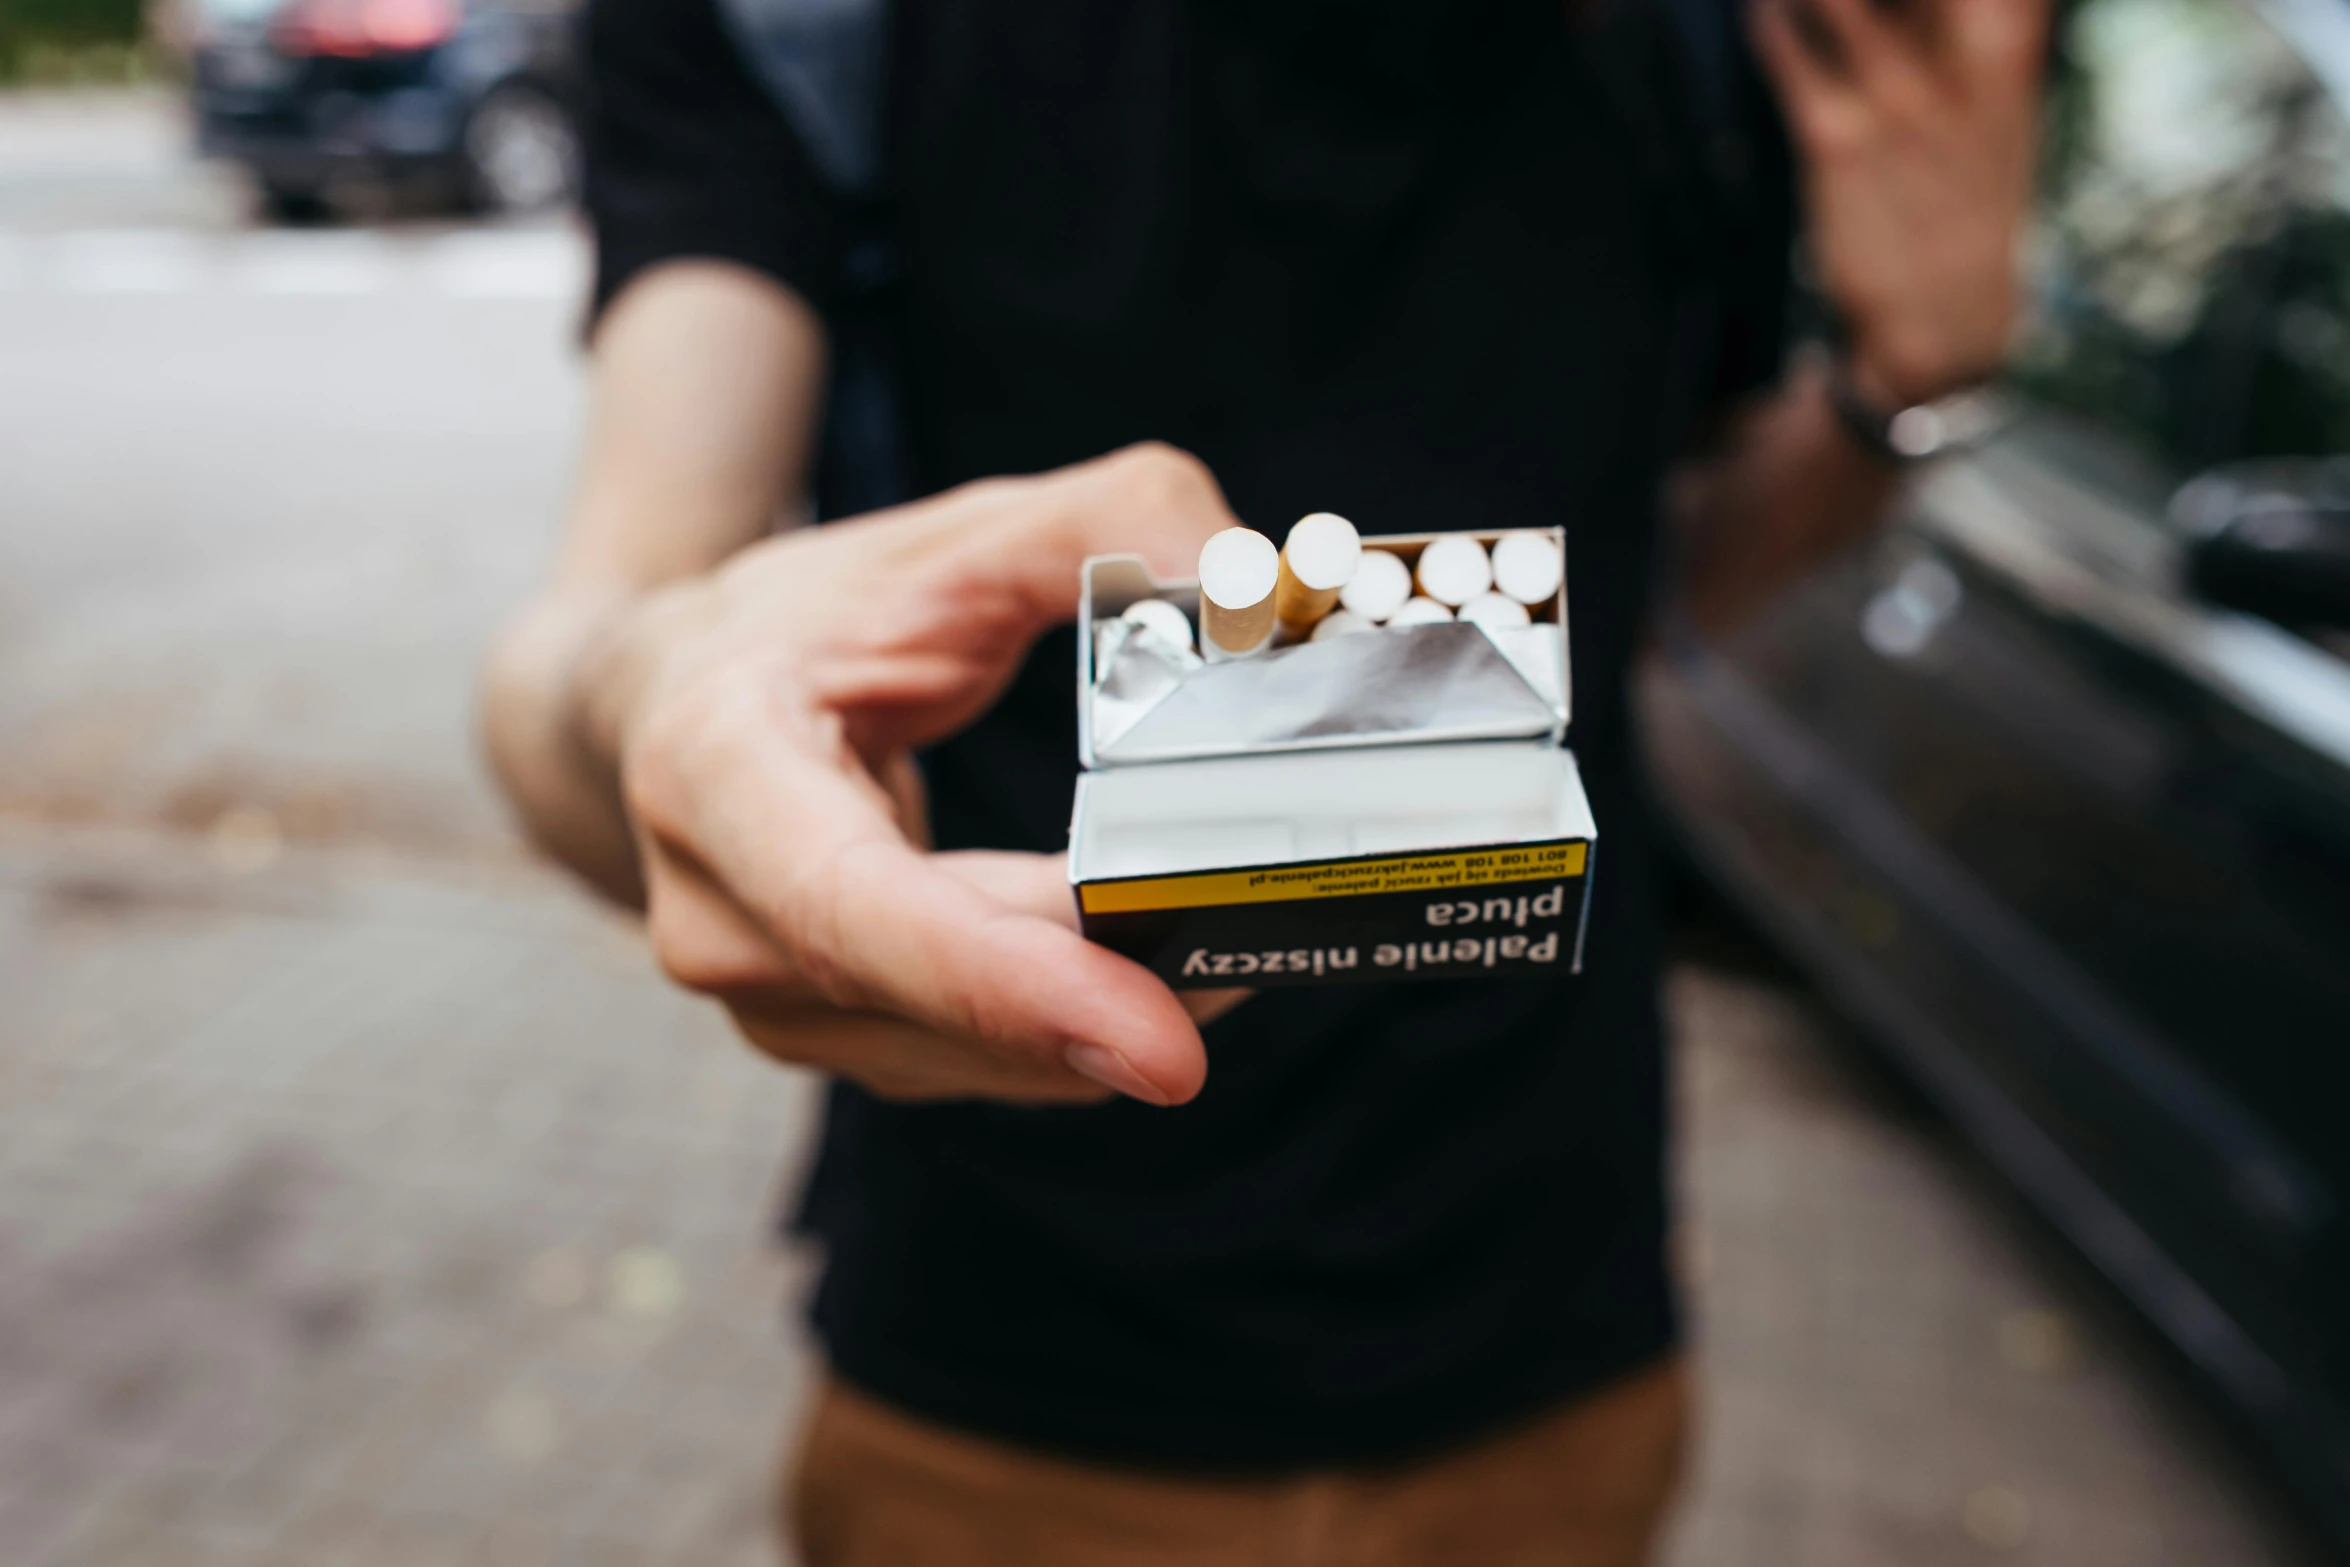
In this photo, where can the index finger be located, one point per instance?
(1150, 499)
(908, 623)
(876, 926)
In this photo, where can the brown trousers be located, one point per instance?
(1583, 1486)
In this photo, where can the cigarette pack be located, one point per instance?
(1393, 804)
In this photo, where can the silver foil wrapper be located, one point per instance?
(1152, 702)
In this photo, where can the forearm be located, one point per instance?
(705, 387)
(1785, 488)
(1915, 127)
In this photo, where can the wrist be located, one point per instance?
(1900, 433)
(1901, 353)
(622, 643)
(1890, 380)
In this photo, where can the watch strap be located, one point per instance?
(1915, 433)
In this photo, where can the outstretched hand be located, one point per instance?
(1917, 125)
(764, 718)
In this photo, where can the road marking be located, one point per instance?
(543, 264)
(126, 261)
(512, 265)
(311, 264)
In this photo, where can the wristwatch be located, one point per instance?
(1917, 432)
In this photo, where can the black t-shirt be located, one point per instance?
(1430, 264)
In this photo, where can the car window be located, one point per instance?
(2191, 255)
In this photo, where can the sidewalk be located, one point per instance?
(365, 1210)
(357, 1213)
(1899, 1369)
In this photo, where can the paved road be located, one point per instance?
(263, 493)
(364, 1197)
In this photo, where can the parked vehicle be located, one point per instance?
(475, 100)
(2050, 786)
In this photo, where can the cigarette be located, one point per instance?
(1495, 610)
(1162, 620)
(1340, 623)
(1237, 571)
(1528, 567)
(1378, 588)
(1454, 569)
(1419, 612)
(1318, 560)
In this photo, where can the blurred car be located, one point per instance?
(2049, 787)
(473, 100)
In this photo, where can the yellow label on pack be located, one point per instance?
(1339, 879)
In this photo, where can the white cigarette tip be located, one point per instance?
(1420, 612)
(1379, 586)
(1163, 619)
(1454, 569)
(1495, 610)
(1339, 623)
(1527, 567)
(1323, 551)
(1237, 568)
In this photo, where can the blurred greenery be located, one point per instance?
(2193, 245)
(73, 41)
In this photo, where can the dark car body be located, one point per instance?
(307, 109)
(2069, 838)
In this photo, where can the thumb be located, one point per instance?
(974, 576)
(1151, 500)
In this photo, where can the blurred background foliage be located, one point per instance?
(75, 42)
(2192, 264)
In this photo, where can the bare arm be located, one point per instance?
(705, 385)
(1915, 124)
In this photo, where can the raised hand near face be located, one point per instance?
(1916, 124)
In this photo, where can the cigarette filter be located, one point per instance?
(1340, 623)
(1527, 567)
(1318, 560)
(1379, 586)
(1454, 569)
(1419, 612)
(1237, 572)
(1163, 620)
(1496, 610)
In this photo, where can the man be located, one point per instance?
(1388, 1283)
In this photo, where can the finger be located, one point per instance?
(897, 1060)
(1034, 884)
(910, 622)
(1150, 500)
(998, 562)
(902, 781)
(1810, 93)
(1039, 884)
(701, 937)
(1205, 1006)
(1999, 47)
(707, 943)
(1864, 42)
(878, 927)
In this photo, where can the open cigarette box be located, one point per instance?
(1384, 805)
